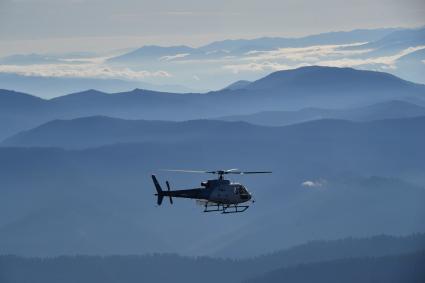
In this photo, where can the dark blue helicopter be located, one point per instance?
(215, 195)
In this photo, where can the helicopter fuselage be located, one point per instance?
(226, 192)
(215, 191)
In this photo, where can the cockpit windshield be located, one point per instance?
(241, 190)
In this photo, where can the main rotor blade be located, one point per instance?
(184, 171)
(219, 172)
(249, 172)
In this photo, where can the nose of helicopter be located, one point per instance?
(245, 197)
(248, 197)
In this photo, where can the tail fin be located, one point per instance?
(158, 188)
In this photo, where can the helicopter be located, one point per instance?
(216, 195)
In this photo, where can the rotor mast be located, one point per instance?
(220, 174)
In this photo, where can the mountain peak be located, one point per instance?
(241, 84)
(90, 93)
(18, 97)
(317, 76)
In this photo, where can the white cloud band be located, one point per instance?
(81, 71)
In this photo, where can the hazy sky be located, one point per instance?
(66, 25)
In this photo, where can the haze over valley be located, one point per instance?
(96, 97)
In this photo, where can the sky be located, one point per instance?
(45, 26)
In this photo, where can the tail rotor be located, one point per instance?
(169, 195)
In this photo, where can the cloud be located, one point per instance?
(259, 67)
(217, 51)
(290, 58)
(314, 184)
(324, 55)
(387, 61)
(82, 68)
(172, 57)
(305, 54)
(81, 71)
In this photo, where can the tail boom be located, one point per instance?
(197, 193)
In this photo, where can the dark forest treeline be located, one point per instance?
(316, 251)
(388, 269)
(359, 260)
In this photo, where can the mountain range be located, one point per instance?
(242, 46)
(390, 259)
(282, 90)
(214, 65)
(49, 87)
(385, 110)
(331, 179)
(345, 147)
(99, 131)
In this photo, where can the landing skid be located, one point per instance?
(225, 208)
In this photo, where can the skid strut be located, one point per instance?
(225, 208)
